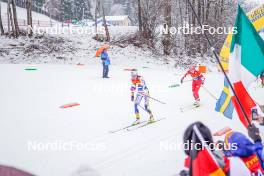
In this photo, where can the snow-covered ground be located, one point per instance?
(30, 112)
(72, 48)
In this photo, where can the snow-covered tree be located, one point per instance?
(67, 9)
(14, 11)
(53, 7)
(12, 18)
(29, 16)
(38, 3)
(117, 9)
(1, 24)
(131, 10)
(82, 9)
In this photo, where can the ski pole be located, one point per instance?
(187, 81)
(178, 74)
(152, 98)
(143, 108)
(210, 93)
(177, 85)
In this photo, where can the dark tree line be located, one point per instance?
(168, 13)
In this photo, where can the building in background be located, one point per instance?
(117, 20)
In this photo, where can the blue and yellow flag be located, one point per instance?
(224, 104)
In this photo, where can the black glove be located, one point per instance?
(253, 133)
(262, 121)
(132, 98)
(182, 80)
(184, 173)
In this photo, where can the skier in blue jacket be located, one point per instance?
(250, 153)
(106, 62)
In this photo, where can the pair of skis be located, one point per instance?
(136, 126)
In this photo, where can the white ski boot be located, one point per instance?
(197, 103)
(151, 119)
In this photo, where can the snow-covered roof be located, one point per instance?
(116, 18)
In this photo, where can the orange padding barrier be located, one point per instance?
(202, 69)
(223, 131)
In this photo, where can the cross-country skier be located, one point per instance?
(139, 91)
(198, 80)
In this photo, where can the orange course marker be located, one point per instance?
(70, 105)
(202, 69)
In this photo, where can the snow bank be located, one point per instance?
(73, 49)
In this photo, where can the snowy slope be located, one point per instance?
(30, 111)
(74, 48)
(22, 14)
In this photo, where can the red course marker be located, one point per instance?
(80, 65)
(70, 105)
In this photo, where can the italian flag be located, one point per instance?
(246, 63)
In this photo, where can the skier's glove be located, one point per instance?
(203, 79)
(253, 133)
(182, 80)
(184, 173)
(261, 121)
(132, 98)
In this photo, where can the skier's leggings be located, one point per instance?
(138, 101)
(196, 85)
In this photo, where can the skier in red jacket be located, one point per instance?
(198, 80)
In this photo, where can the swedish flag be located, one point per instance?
(224, 104)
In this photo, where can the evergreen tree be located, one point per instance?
(38, 3)
(131, 10)
(53, 7)
(82, 9)
(67, 7)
